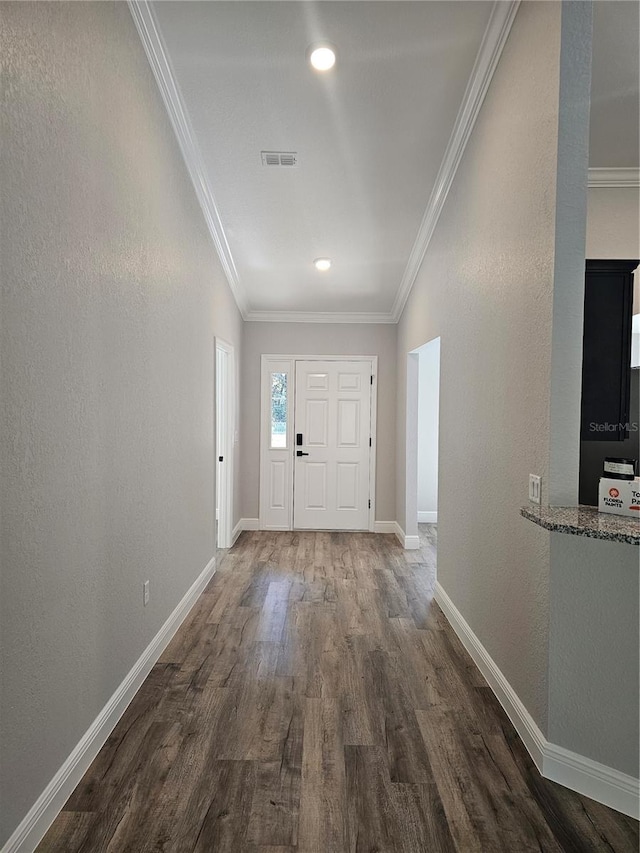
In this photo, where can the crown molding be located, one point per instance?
(614, 177)
(145, 22)
(493, 41)
(317, 317)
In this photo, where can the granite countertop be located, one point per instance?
(585, 521)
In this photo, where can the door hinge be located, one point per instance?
(369, 503)
(369, 441)
(372, 380)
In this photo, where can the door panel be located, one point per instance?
(333, 414)
(348, 423)
(315, 486)
(317, 382)
(347, 486)
(349, 382)
(279, 484)
(317, 423)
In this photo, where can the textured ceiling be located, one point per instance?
(370, 135)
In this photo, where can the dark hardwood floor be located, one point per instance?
(316, 700)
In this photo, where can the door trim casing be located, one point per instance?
(265, 360)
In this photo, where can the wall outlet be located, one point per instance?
(145, 593)
(535, 488)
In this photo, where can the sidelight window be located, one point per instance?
(278, 410)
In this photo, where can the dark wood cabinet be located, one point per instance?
(606, 355)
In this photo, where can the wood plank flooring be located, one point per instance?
(316, 700)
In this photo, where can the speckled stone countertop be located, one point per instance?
(585, 521)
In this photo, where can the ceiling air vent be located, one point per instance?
(279, 158)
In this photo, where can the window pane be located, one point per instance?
(278, 410)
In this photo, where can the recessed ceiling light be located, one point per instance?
(322, 57)
(322, 264)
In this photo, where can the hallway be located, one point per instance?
(317, 700)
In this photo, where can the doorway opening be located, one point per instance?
(423, 416)
(225, 422)
(318, 442)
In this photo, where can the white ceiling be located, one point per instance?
(615, 85)
(370, 135)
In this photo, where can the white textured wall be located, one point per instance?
(593, 650)
(486, 287)
(613, 222)
(569, 252)
(501, 283)
(111, 295)
(319, 339)
(428, 414)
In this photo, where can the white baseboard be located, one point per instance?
(601, 783)
(237, 530)
(384, 527)
(244, 524)
(427, 517)
(379, 527)
(523, 722)
(41, 815)
(409, 543)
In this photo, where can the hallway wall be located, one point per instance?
(486, 286)
(112, 293)
(320, 339)
(613, 223)
(594, 655)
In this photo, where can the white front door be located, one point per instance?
(332, 426)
